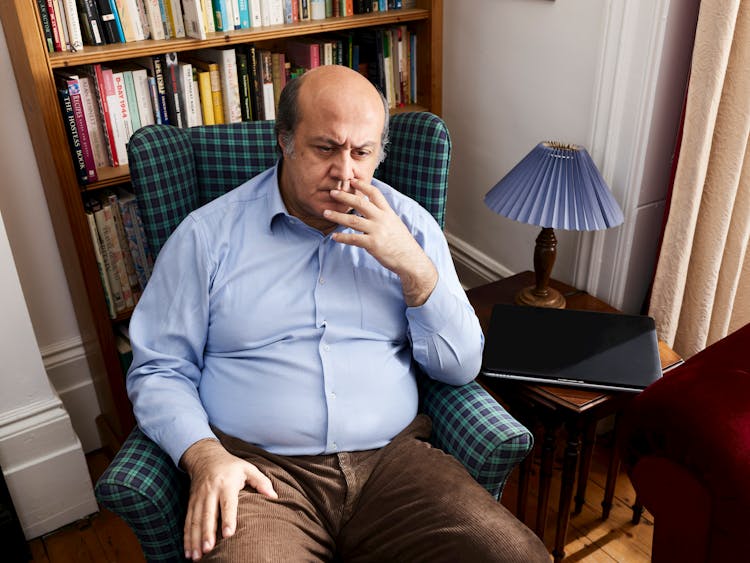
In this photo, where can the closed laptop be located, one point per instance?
(588, 349)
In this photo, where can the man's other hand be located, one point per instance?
(216, 479)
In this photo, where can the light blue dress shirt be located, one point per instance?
(276, 334)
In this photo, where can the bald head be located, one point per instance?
(329, 91)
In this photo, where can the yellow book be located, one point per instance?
(207, 104)
(215, 79)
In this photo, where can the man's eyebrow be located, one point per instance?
(334, 143)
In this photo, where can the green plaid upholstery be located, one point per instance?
(173, 171)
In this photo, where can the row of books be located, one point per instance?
(102, 106)
(68, 25)
(122, 252)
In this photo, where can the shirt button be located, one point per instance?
(333, 395)
(326, 347)
(334, 446)
(322, 281)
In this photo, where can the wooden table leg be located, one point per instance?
(612, 471)
(545, 477)
(572, 449)
(587, 452)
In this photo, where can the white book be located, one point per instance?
(143, 97)
(122, 108)
(185, 76)
(93, 121)
(197, 98)
(62, 22)
(101, 264)
(230, 88)
(317, 9)
(153, 15)
(176, 17)
(276, 11)
(255, 13)
(141, 31)
(195, 23)
(208, 16)
(73, 24)
(265, 12)
(235, 13)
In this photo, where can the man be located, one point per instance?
(274, 352)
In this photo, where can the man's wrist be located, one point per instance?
(419, 284)
(198, 451)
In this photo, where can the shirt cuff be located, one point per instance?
(434, 314)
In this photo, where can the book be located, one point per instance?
(118, 114)
(46, 27)
(130, 20)
(253, 74)
(215, 83)
(72, 133)
(243, 79)
(153, 17)
(135, 114)
(272, 12)
(57, 39)
(111, 254)
(176, 17)
(62, 25)
(96, 73)
(198, 118)
(93, 121)
(155, 65)
(279, 76)
(243, 14)
(221, 16)
(303, 52)
(70, 81)
(208, 15)
(100, 263)
(111, 29)
(91, 26)
(143, 96)
(140, 9)
(190, 105)
(317, 9)
(227, 61)
(173, 89)
(255, 14)
(194, 20)
(269, 108)
(207, 106)
(122, 238)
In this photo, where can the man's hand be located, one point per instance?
(383, 234)
(216, 479)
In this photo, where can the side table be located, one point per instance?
(576, 410)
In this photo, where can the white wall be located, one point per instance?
(608, 75)
(37, 258)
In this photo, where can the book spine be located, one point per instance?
(255, 14)
(235, 9)
(116, 119)
(46, 26)
(196, 97)
(101, 264)
(256, 81)
(133, 111)
(89, 22)
(108, 233)
(124, 201)
(56, 38)
(243, 8)
(142, 238)
(160, 75)
(63, 25)
(140, 19)
(93, 121)
(207, 106)
(72, 132)
(153, 17)
(122, 107)
(164, 16)
(74, 90)
(276, 12)
(109, 26)
(173, 89)
(101, 98)
(143, 97)
(122, 238)
(220, 15)
(269, 111)
(243, 79)
(194, 20)
(185, 76)
(153, 89)
(177, 18)
(289, 11)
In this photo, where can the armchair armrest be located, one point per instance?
(468, 423)
(145, 489)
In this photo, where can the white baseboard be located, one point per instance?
(68, 370)
(481, 266)
(44, 467)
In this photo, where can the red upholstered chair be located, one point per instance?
(686, 446)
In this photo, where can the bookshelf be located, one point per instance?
(33, 67)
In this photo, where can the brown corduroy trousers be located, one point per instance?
(405, 502)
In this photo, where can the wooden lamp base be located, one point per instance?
(541, 295)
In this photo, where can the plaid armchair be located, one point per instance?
(173, 171)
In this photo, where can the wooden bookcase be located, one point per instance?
(34, 66)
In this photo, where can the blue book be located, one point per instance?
(244, 13)
(118, 23)
(221, 18)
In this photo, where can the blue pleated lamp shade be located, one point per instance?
(558, 186)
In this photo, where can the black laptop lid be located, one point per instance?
(589, 349)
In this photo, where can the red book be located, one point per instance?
(101, 97)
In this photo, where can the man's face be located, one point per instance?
(337, 139)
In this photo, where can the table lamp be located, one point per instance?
(556, 186)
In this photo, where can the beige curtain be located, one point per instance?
(701, 288)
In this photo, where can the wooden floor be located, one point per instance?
(103, 537)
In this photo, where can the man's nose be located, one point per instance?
(343, 167)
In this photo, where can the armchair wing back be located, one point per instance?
(174, 171)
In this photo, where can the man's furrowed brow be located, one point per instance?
(330, 141)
